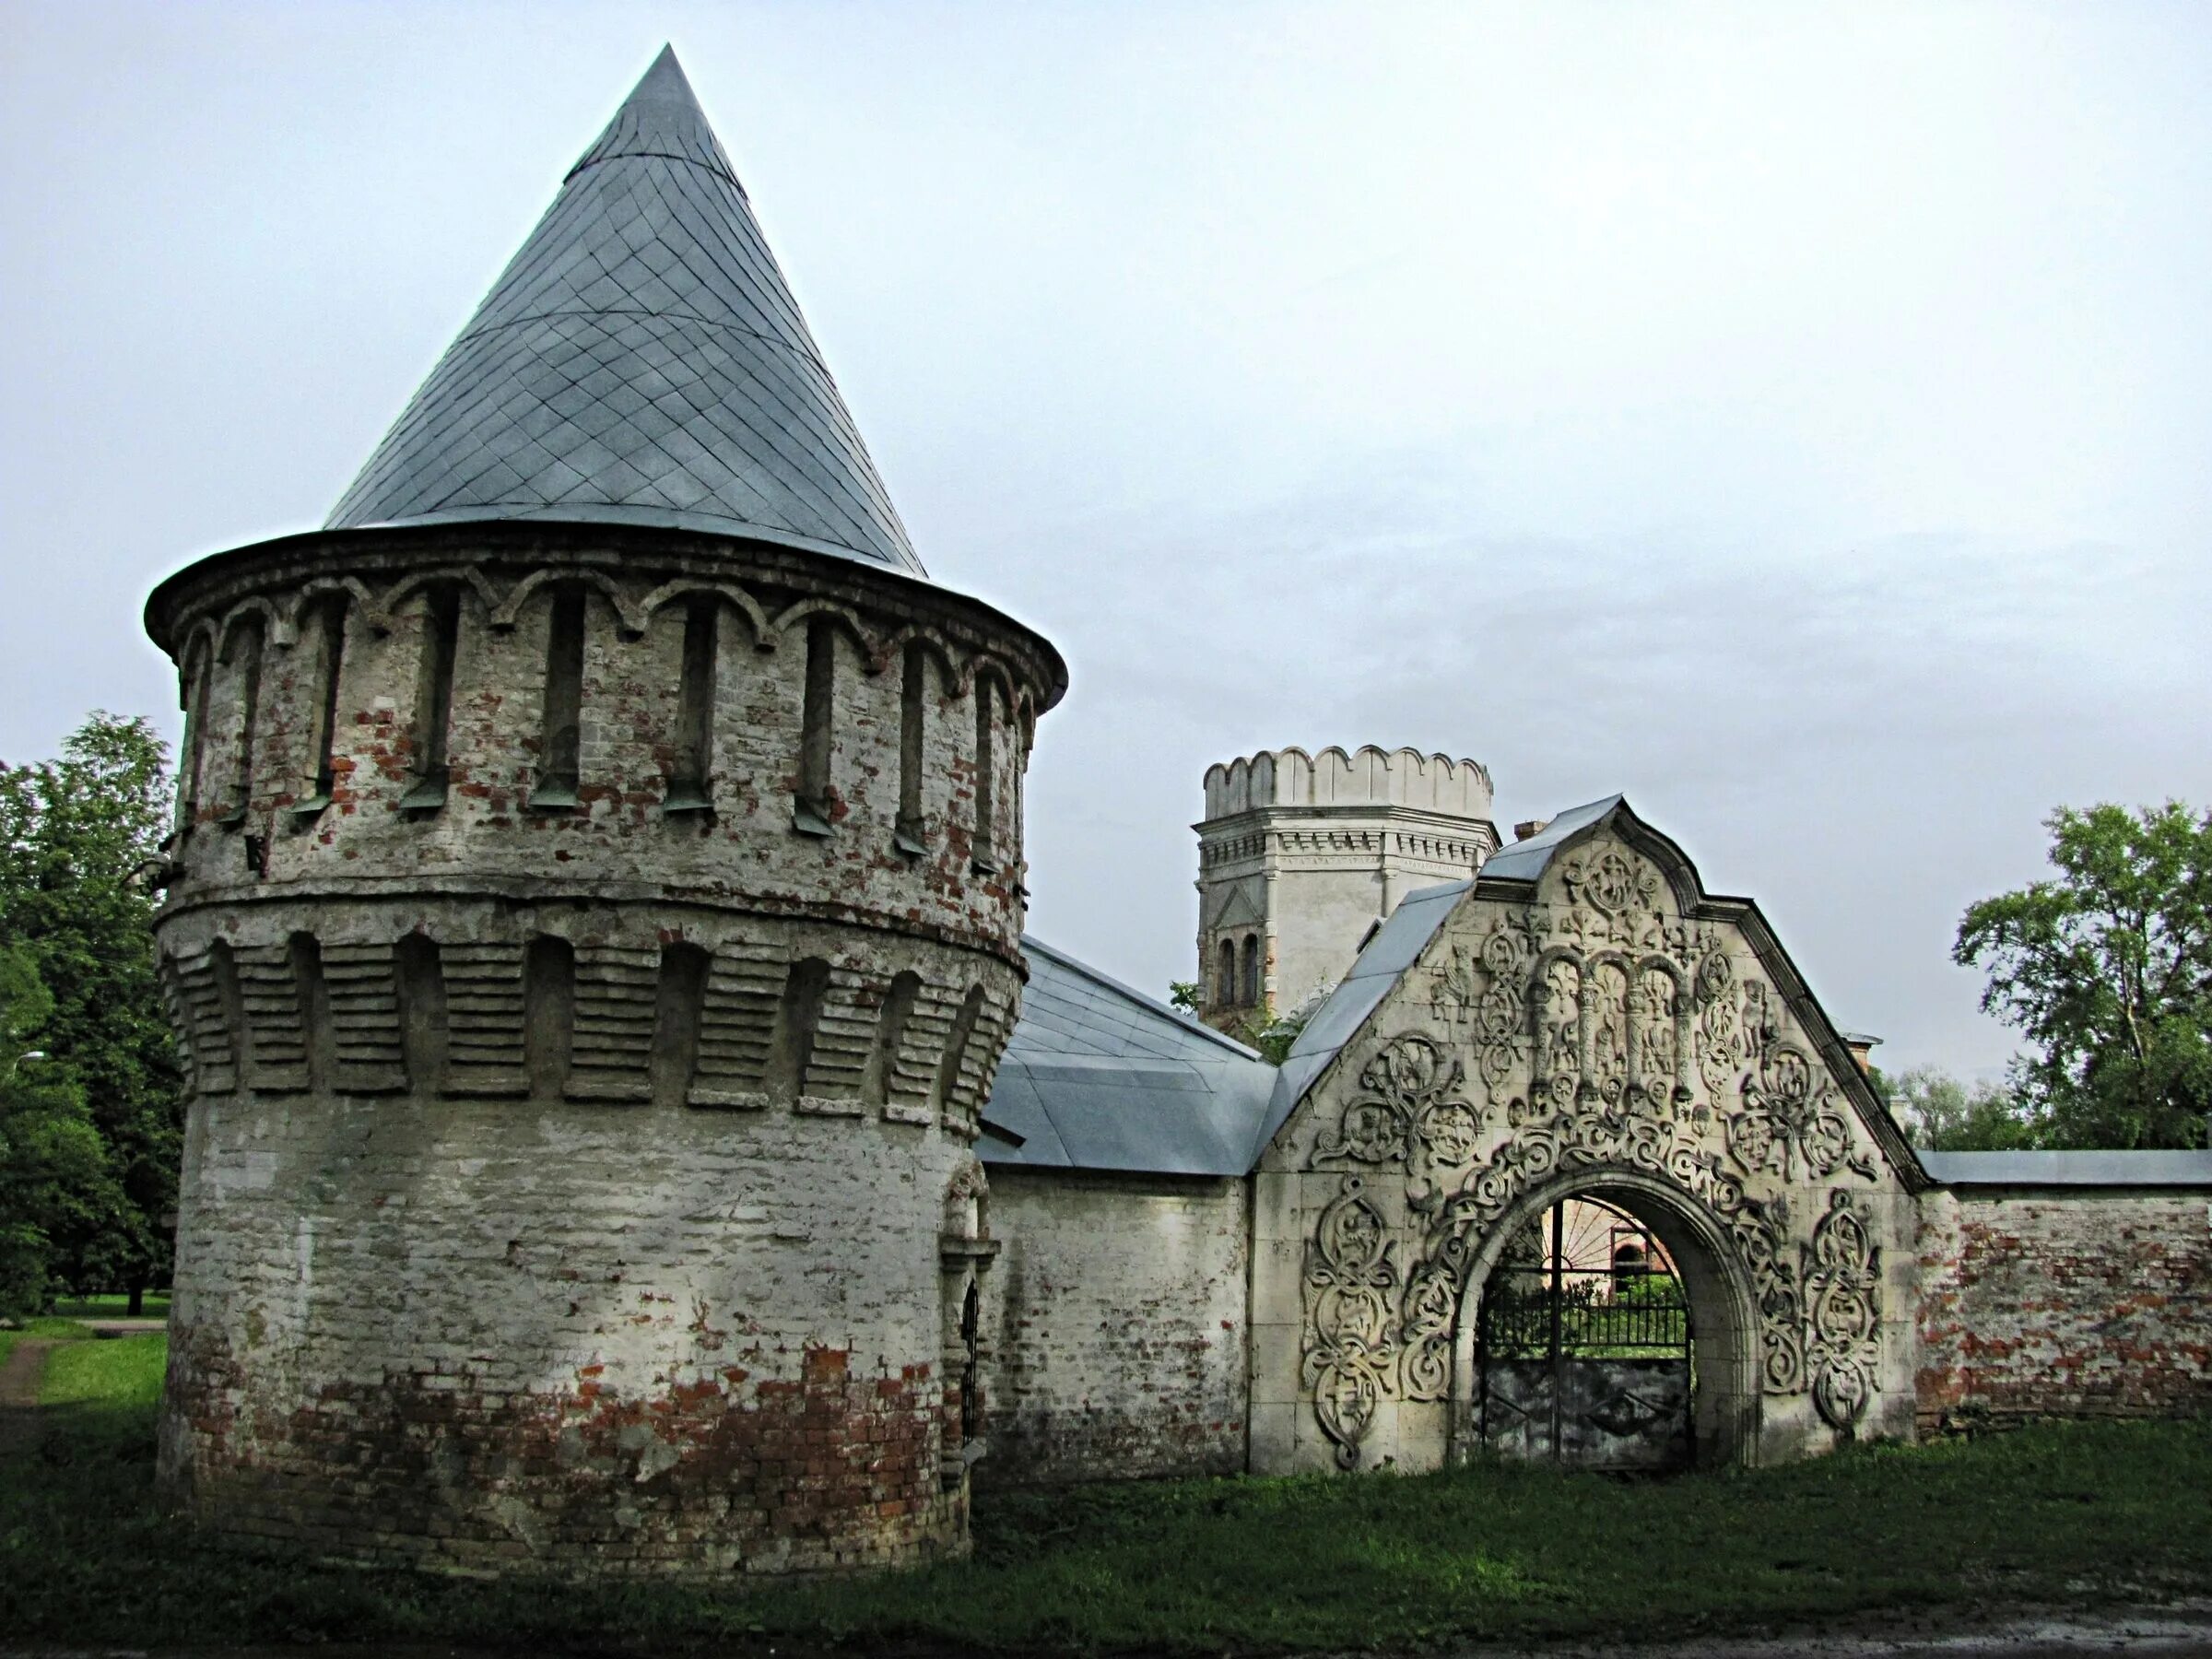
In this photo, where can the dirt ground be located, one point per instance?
(2182, 1632)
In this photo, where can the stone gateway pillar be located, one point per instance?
(592, 924)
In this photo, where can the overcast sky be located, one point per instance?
(1795, 418)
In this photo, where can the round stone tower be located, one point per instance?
(592, 923)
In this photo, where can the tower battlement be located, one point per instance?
(1299, 855)
(1367, 776)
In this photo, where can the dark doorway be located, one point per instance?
(1583, 1345)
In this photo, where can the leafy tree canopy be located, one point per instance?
(50, 1155)
(1938, 1113)
(2107, 968)
(75, 835)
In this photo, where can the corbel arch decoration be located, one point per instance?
(930, 641)
(800, 610)
(629, 616)
(765, 637)
(459, 577)
(983, 665)
(357, 591)
(275, 627)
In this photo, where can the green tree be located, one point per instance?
(76, 835)
(1938, 1113)
(50, 1156)
(2107, 968)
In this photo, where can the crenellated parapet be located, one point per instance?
(1299, 855)
(1367, 776)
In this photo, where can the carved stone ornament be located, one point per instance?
(1348, 1348)
(1843, 1295)
(1587, 1056)
(1404, 1107)
(1792, 1122)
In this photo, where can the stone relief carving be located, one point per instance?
(1608, 1014)
(1844, 1296)
(1792, 1122)
(1348, 1280)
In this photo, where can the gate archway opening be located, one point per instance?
(1608, 1324)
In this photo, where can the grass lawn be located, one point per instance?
(2066, 1515)
(155, 1306)
(56, 1330)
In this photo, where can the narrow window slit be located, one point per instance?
(817, 716)
(910, 833)
(560, 736)
(195, 740)
(324, 737)
(891, 1034)
(318, 1042)
(691, 786)
(246, 652)
(678, 1016)
(434, 698)
(422, 1020)
(231, 999)
(955, 1055)
(983, 855)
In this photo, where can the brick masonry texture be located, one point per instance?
(2063, 1304)
(1115, 1315)
(570, 1174)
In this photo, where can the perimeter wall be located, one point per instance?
(2064, 1303)
(1113, 1321)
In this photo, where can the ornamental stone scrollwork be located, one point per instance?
(1842, 1292)
(1791, 1121)
(1350, 1277)
(1602, 1036)
(1612, 882)
(1407, 1106)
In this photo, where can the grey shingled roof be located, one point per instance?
(2070, 1169)
(1098, 1076)
(640, 361)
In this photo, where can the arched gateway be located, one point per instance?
(1581, 1022)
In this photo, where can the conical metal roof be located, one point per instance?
(640, 361)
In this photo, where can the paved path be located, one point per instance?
(19, 1395)
(2178, 1632)
(2181, 1631)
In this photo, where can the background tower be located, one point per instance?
(593, 923)
(1299, 855)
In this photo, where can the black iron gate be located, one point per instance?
(1584, 1348)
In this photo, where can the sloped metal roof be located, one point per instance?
(1396, 946)
(1526, 860)
(2070, 1169)
(640, 361)
(1099, 1076)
